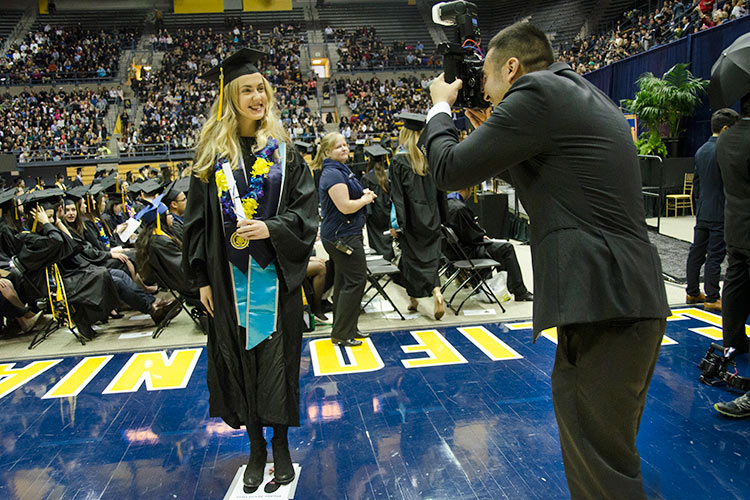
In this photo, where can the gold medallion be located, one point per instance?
(238, 241)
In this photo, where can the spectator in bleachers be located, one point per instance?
(53, 125)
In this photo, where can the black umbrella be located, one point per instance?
(730, 75)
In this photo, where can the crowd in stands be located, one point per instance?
(55, 54)
(175, 102)
(362, 48)
(638, 31)
(374, 104)
(54, 125)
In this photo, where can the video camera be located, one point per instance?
(462, 59)
(715, 366)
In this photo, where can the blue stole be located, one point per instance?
(255, 285)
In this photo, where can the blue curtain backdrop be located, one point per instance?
(701, 50)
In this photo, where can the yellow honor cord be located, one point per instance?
(61, 286)
(221, 93)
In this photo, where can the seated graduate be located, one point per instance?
(133, 202)
(114, 258)
(114, 217)
(95, 232)
(175, 198)
(475, 242)
(90, 292)
(159, 251)
(378, 212)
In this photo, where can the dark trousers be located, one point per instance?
(708, 247)
(599, 384)
(505, 254)
(348, 286)
(736, 300)
(130, 293)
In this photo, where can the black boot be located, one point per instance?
(282, 461)
(256, 466)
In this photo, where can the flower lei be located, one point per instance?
(251, 199)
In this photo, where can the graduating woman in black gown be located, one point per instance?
(420, 209)
(247, 250)
(378, 212)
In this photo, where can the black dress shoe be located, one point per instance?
(164, 311)
(86, 332)
(361, 335)
(525, 297)
(347, 342)
(256, 467)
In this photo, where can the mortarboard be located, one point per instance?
(182, 185)
(413, 121)
(76, 193)
(7, 195)
(303, 147)
(45, 197)
(170, 193)
(376, 151)
(242, 62)
(150, 187)
(135, 187)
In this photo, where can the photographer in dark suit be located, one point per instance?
(597, 278)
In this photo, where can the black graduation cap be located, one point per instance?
(7, 196)
(109, 184)
(413, 121)
(150, 187)
(182, 185)
(104, 168)
(376, 151)
(170, 193)
(135, 187)
(242, 62)
(76, 193)
(45, 197)
(302, 146)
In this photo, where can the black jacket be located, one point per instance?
(574, 166)
(733, 153)
(707, 184)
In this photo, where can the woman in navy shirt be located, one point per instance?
(342, 202)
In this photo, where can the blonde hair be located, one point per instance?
(326, 144)
(408, 139)
(220, 138)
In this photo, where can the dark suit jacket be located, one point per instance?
(573, 163)
(733, 153)
(707, 185)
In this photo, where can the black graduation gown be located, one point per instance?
(262, 384)
(91, 234)
(97, 257)
(460, 218)
(165, 258)
(378, 217)
(90, 290)
(420, 209)
(10, 244)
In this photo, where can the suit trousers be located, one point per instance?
(708, 247)
(505, 254)
(348, 286)
(599, 384)
(735, 305)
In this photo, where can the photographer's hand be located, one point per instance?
(478, 116)
(440, 91)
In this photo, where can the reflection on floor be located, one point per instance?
(450, 413)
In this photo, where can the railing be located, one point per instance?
(154, 149)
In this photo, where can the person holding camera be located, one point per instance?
(597, 278)
(342, 204)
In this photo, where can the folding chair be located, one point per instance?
(377, 270)
(197, 313)
(471, 268)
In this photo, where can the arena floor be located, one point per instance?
(457, 409)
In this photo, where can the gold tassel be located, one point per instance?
(221, 93)
(158, 225)
(49, 293)
(61, 286)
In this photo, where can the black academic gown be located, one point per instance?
(90, 290)
(420, 209)
(10, 244)
(262, 384)
(95, 256)
(378, 217)
(91, 234)
(165, 258)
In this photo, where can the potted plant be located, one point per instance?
(661, 103)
